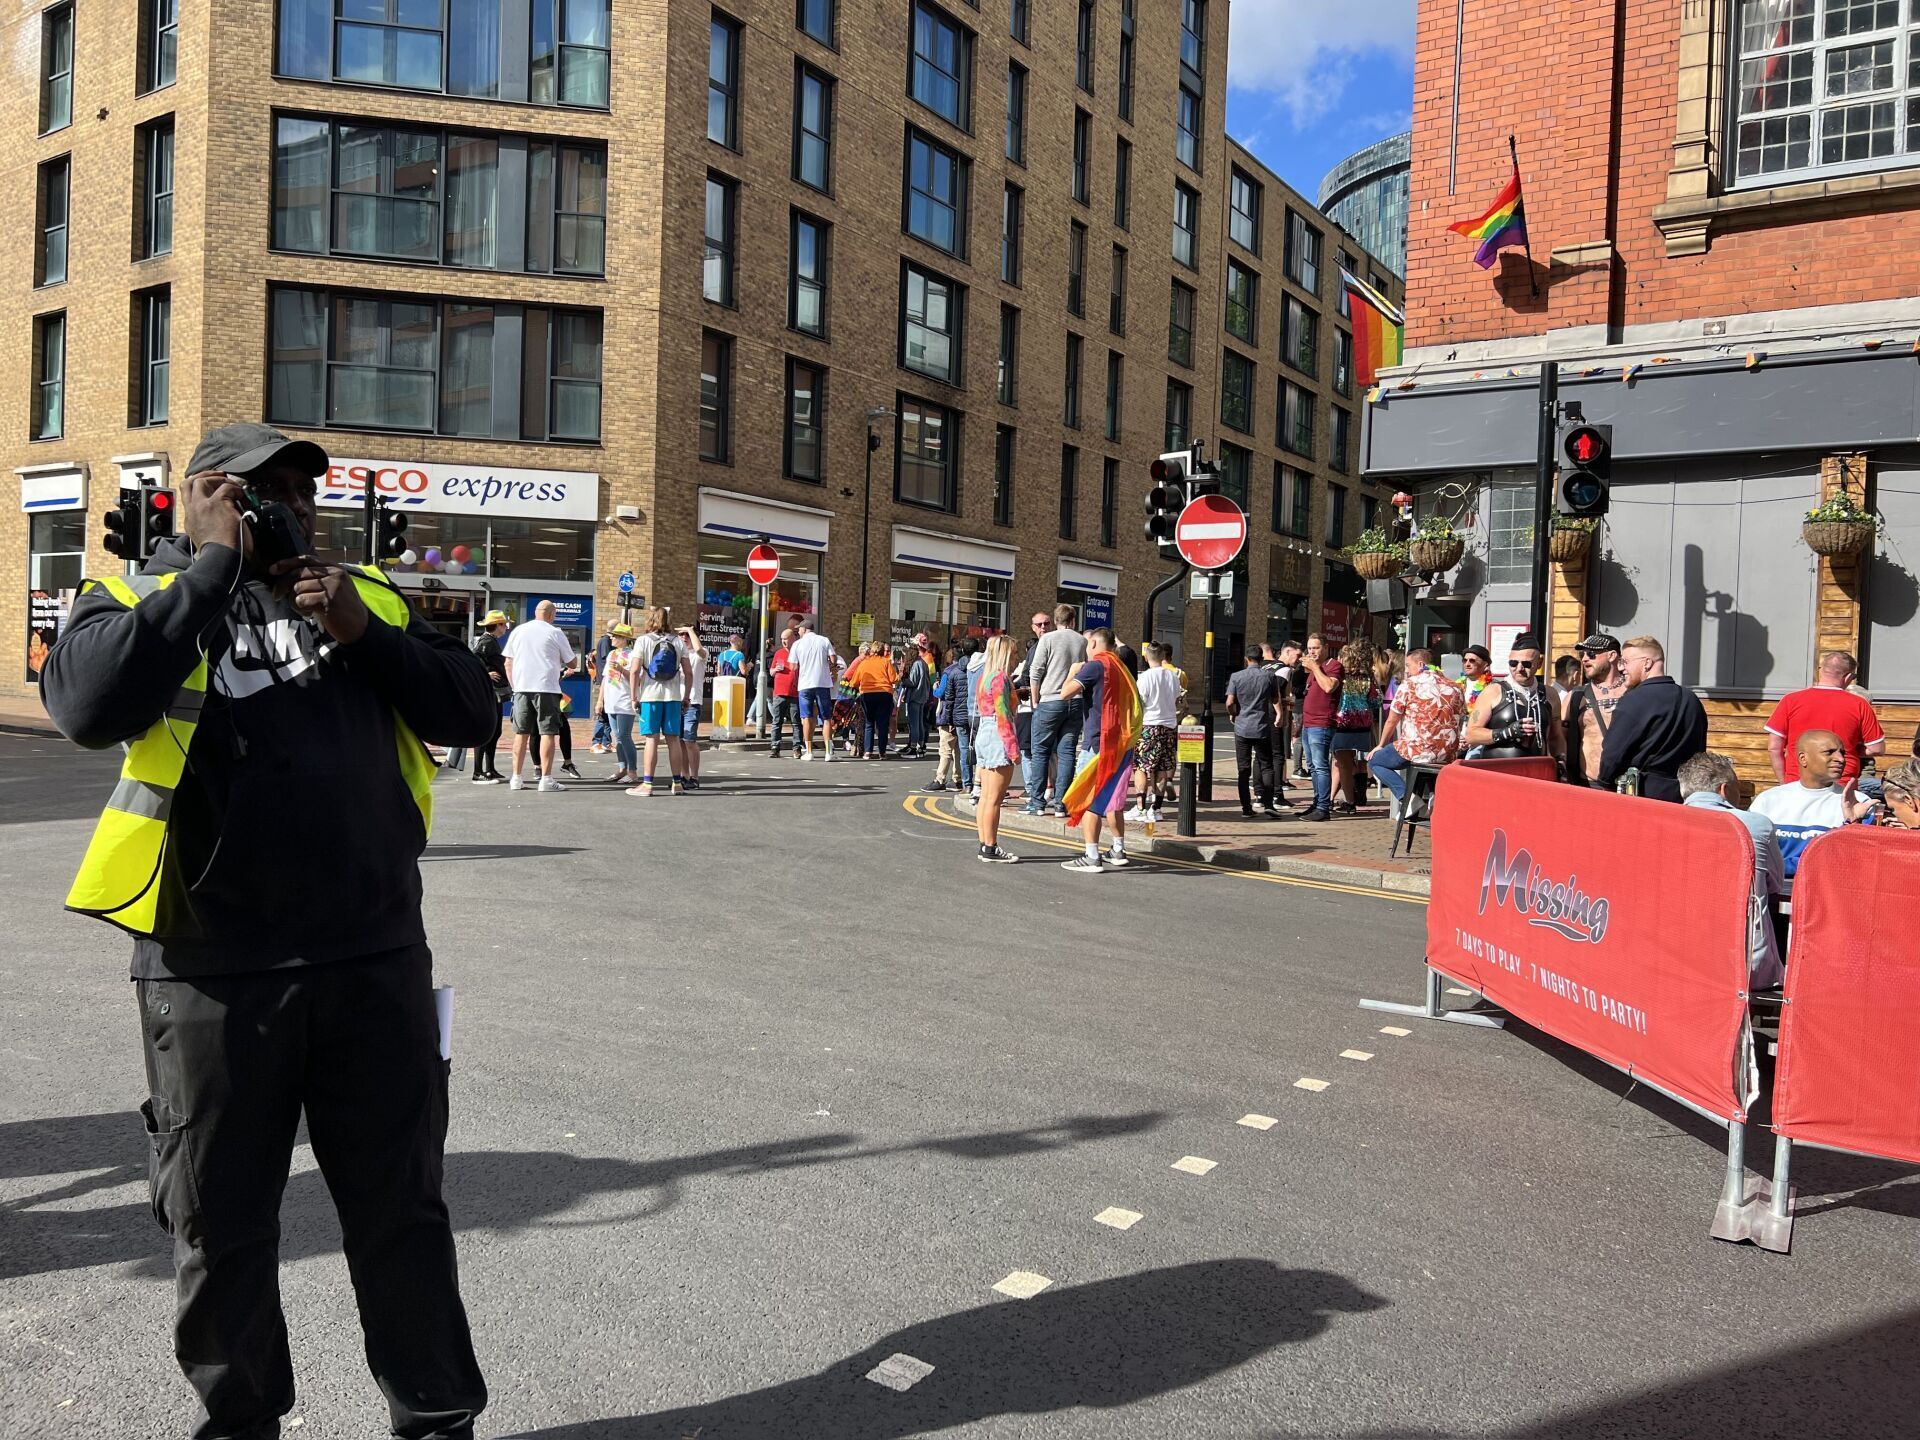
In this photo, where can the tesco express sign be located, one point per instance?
(423, 486)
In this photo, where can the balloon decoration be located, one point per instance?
(409, 557)
(462, 554)
(431, 560)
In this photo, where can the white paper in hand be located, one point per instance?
(443, 1011)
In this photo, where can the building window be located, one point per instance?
(56, 554)
(1008, 381)
(930, 339)
(1017, 20)
(1242, 291)
(1115, 392)
(1342, 359)
(1082, 147)
(716, 282)
(566, 199)
(1369, 512)
(1243, 219)
(1076, 268)
(570, 55)
(924, 469)
(1003, 440)
(1295, 429)
(1179, 414)
(1187, 138)
(153, 344)
(1109, 496)
(1336, 516)
(942, 72)
(815, 17)
(381, 363)
(159, 44)
(807, 275)
(1125, 103)
(806, 409)
(1233, 474)
(1011, 204)
(1070, 384)
(1069, 489)
(936, 194)
(716, 397)
(723, 81)
(1339, 445)
(1303, 254)
(386, 192)
(1016, 114)
(1083, 47)
(1300, 337)
(49, 420)
(1344, 304)
(1117, 292)
(1236, 392)
(1825, 88)
(1122, 181)
(1180, 325)
(1292, 500)
(56, 68)
(1186, 220)
(53, 198)
(155, 153)
(1193, 35)
(812, 127)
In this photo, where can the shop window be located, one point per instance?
(56, 550)
(727, 592)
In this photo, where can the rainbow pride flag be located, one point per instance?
(1100, 779)
(1379, 329)
(1504, 225)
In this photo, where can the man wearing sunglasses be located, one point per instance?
(1516, 716)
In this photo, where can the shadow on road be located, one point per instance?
(501, 1191)
(495, 852)
(1108, 1344)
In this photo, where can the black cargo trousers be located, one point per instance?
(232, 1061)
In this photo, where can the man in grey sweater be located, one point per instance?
(1056, 722)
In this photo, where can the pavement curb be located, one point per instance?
(1230, 859)
(29, 727)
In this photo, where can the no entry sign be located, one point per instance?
(763, 564)
(1210, 532)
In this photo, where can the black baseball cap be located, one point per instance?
(244, 448)
(1597, 644)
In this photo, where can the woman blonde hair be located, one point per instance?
(999, 658)
(657, 621)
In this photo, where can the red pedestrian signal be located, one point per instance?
(1584, 445)
(156, 521)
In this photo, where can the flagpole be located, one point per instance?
(1526, 238)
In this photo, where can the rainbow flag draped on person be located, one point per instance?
(1100, 780)
(1379, 329)
(1504, 225)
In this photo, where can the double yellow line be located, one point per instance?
(925, 807)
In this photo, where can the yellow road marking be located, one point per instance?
(1307, 1082)
(924, 807)
(1394, 1030)
(1023, 1284)
(1356, 1054)
(1118, 1218)
(1257, 1122)
(1194, 1165)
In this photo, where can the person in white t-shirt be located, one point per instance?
(697, 656)
(537, 654)
(1160, 686)
(1805, 809)
(617, 702)
(660, 663)
(815, 666)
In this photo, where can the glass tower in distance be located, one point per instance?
(1366, 195)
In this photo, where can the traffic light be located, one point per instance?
(156, 518)
(123, 527)
(1203, 479)
(1586, 468)
(1165, 499)
(388, 537)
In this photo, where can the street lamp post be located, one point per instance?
(874, 412)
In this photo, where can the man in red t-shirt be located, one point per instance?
(1828, 705)
(1322, 703)
(786, 694)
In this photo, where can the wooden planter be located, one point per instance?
(1837, 537)
(1376, 565)
(1566, 546)
(1437, 556)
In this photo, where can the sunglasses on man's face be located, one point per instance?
(1519, 664)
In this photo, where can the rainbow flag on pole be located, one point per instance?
(1502, 226)
(1379, 330)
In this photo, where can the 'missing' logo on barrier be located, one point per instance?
(1556, 905)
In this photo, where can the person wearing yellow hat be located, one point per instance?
(618, 701)
(493, 625)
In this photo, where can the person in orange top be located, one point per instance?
(874, 675)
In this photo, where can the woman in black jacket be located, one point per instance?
(487, 647)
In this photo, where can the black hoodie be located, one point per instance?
(293, 839)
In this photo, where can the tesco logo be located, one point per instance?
(390, 479)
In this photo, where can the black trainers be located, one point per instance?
(568, 769)
(994, 855)
(1316, 815)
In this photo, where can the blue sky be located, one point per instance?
(1311, 81)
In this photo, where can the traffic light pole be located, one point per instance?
(1206, 703)
(370, 509)
(1543, 504)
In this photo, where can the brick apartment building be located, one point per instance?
(1720, 196)
(595, 288)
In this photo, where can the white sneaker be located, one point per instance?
(1082, 865)
(516, 783)
(1136, 814)
(1117, 858)
(547, 782)
(804, 755)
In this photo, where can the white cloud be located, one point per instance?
(1303, 52)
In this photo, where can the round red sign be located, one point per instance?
(763, 564)
(1210, 532)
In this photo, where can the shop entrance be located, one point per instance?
(450, 612)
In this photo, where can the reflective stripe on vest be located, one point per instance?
(119, 878)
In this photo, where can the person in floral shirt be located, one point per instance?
(1423, 725)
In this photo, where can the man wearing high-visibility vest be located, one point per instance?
(261, 848)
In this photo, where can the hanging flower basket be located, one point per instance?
(1567, 546)
(1376, 564)
(1837, 537)
(1437, 555)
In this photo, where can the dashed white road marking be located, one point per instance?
(1194, 1165)
(1257, 1122)
(899, 1371)
(1119, 1219)
(1356, 1054)
(1023, 1284)
(1456, 990)
(1307, 1082)
(1394, 1030)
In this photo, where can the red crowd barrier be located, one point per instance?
(1849, 1072)
(1526, 767)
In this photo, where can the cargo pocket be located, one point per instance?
(170, 1181)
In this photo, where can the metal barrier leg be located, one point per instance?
(1773, 1230)
(1745, 1211)
(1432, 1011)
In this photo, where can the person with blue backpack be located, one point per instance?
(664, 672)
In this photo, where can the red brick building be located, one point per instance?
(1721, 196)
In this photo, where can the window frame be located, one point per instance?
(154, 317)
(1238, 416)
(797, 281)
(1080, 177)
(1289, 437)
(1007, 357)
(44, 227)
(1185, 196)
(1123, 90)
(725, 248)
(1117, 292)
(961, 79)
(1076, 269)
(1109, 499)
(954, 333)
(1016, 138)
(1292, 504)
(804, 75)
(156, 199)
(1072, 364)
(1300, 322)
(1115, 395)
(1181, 355)
(1013, 204)
(1336, 532)
(1342, 359)
(51, 20)
(1084, 47)
(1239, 182)
(1178, 432)
(1303, 269)
(1339, 439)
(957, 207)
(46, 384)
(1249, 310)
(1005, 450)
(726, 87)
(721, 406)
(832, 9)
(155, 30)
(788, 467)
(1188, 145)
(947, 466)
(1069, 518)
(1122, 182)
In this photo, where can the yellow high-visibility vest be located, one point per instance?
(119, 878)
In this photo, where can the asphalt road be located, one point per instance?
(758, 1088)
